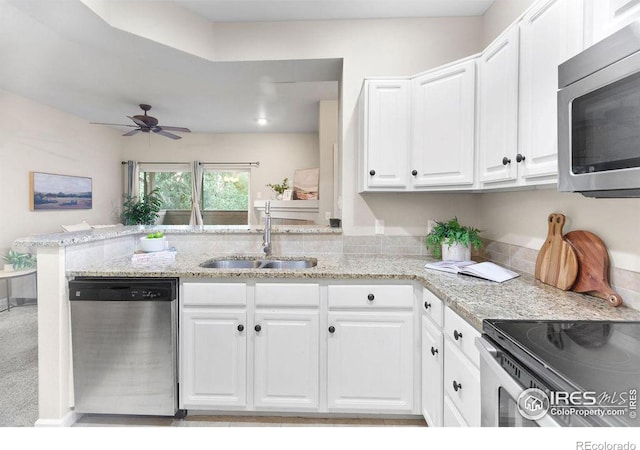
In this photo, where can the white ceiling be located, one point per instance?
(58, 52)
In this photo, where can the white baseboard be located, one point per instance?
(66, 421)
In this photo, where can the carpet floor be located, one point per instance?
(19, 366)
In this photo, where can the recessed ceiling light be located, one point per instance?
(261, 121)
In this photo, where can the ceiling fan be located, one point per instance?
(147, 123)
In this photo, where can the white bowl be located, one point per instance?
(152, 245)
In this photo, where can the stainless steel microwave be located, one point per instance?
(599, 118)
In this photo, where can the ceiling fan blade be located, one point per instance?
(132, 132)
(166, 133)
(181, 129)
(113, 124)
(138, 122)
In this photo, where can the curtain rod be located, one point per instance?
(254, 163)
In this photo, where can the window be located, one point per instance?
(173, 185)
(225, 190)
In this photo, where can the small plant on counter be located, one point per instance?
(280, 188)
(142, 211)
(451, 233)
(20, 261)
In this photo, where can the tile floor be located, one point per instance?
(90, 420)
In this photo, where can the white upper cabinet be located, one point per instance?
(385, 108)
(442, 152)
(498, 109)
(549, 35)
(604, 17)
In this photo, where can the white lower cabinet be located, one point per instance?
(213, 363)
(462, 384)
(370, 361)
(286, 359)
(432, 388)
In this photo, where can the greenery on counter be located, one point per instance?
(143, 211)
(450, 233)
(20, 261)
(280, 188)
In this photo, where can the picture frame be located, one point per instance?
(48, 191)
(287, 194)
(305, 184)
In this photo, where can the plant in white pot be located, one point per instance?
(453, 241)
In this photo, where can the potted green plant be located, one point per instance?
(280, 188)
(19, 261)
(143, 211)
(453, 241)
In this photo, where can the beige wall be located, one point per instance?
(500, 15)
(35, 137)
(279, 154)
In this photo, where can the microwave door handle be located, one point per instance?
(505, 381)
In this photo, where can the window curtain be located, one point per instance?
(131, 187)
(196, 193)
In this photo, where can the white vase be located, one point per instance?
(456, 252)
(279, 197)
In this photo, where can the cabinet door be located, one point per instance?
(370, 361)
(444, 127)
(462, 384)
(432, 393)
(498, 116)
(605, 17)
(547, 38)
(451, 415)
(386, 129)
(286, 356)
(213, 359)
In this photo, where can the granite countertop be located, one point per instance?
(472, 298)
(115, 231)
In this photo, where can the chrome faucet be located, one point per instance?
(266, 239)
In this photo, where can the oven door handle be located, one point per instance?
(488, 354)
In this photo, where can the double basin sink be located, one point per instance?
(259, 263)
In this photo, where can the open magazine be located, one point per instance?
(486, 270)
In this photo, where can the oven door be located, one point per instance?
(599, 130)
(499, 393)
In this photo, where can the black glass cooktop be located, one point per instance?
(600, 356)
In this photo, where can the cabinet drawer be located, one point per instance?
(462, 335)
(371, 296)
(432, 307)
(287, 294)
(452, 417)
(462, 384)
(213, 294)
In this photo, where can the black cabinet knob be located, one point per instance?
(414, 172)
(332, 329)
(457, 335)
(506, 161)
(372, 172)
(434, 351)
(257, 328)
(427, 305)
(519, 157)
(240, 327)
(370, 297)
(456, 386)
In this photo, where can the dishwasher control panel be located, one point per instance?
(122, 289)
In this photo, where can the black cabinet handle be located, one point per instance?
(427, 305)
(434, 351)
(506, 161)
(370, 297)
(519, 157)
(257, 328)
(457, 335)
(414, 172)
(372, 172)
(240, 327)
(332, 329)
(456, 386)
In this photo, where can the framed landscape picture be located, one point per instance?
(52, 192)
(305, 184)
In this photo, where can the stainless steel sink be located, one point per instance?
(304, 263)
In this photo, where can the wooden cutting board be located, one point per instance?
(557, 263)
(593, 271)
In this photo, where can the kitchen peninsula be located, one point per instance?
(339, 276)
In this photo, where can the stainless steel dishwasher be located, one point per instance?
(124, 343)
